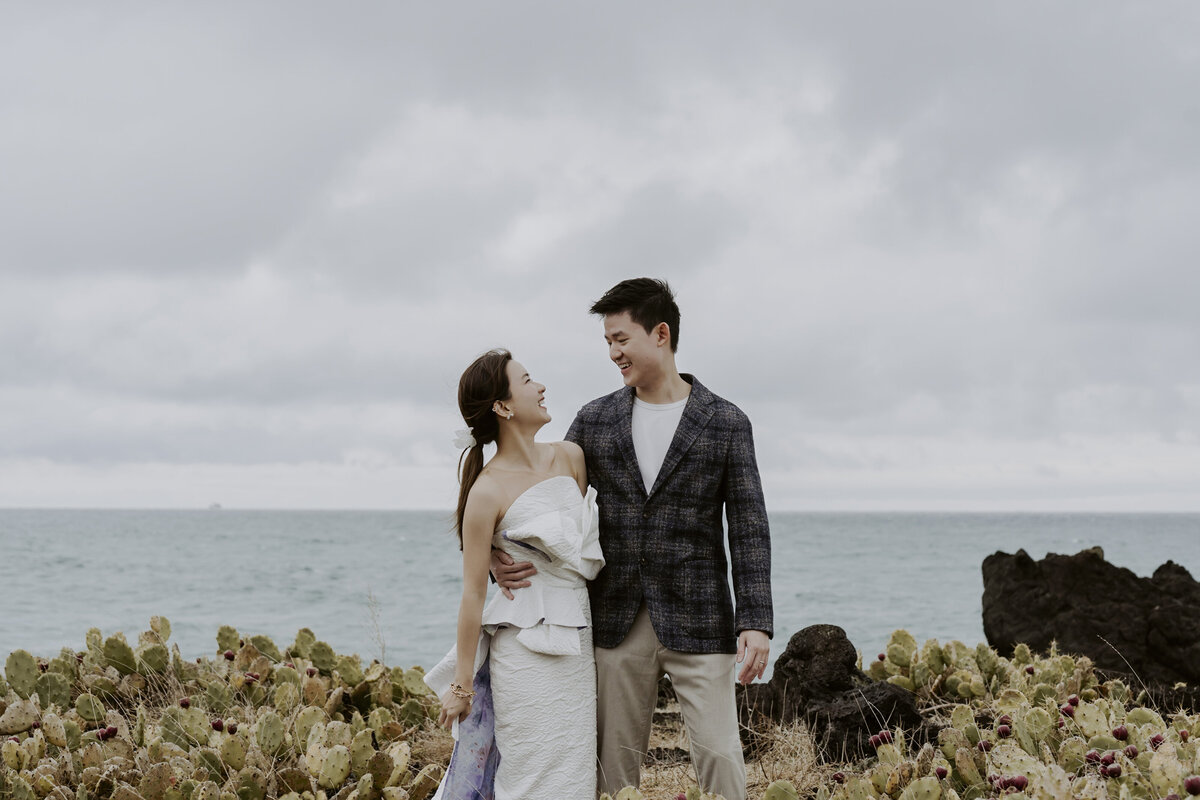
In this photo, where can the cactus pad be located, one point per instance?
(119, 655)
(89, 707)
(323, 657)
(21, 671)
(270, 734)
(335, 767)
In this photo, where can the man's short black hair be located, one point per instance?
(649, 301)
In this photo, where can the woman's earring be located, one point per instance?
(510, 415)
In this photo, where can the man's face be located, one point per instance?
(638, 354)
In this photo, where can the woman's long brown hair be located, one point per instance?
(481, 385)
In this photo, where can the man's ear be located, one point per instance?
(662, 334)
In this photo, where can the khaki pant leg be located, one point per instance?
(703, 683)
(626, 692)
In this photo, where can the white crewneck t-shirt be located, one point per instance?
(653, 429)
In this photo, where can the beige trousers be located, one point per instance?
(626, 692)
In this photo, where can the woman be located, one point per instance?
(520, 686)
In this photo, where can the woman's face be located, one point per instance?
(527, 401)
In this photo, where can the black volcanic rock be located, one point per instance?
(816, 679)
(1127, 625)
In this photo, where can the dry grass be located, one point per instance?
(789, 754)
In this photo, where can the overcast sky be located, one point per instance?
(943, 254)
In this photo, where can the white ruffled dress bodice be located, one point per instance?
(558, 530)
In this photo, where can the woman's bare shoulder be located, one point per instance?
(486, 493)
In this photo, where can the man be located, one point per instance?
(666, 455)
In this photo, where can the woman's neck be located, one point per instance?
(516, 449)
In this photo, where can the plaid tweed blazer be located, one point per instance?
(667, 548)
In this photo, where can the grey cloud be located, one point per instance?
(921, 220)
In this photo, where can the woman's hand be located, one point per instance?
(453, 708)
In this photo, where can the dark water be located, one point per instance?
(372, 581)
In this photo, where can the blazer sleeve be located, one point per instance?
(575, 432)
(749, 533)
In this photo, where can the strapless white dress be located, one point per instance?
(535, 659)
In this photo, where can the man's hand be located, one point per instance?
(510, 574)
(753, 649)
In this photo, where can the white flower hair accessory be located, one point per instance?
(463, 438)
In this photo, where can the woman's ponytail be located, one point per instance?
(481, 385)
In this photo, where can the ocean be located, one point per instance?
(386, 583)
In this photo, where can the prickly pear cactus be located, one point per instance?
(266, 646)
(14, 756)
(335, 767)
(414, 683)
(153, 658)
(89, 707)
(629, 793)
(285, 674)
(323, 657)
(251, 784)
(378, 718)
(206, 790)
(927, 788)
(286, 697)
(381, 766)
(21, 671)
(233, 752)
(119, 655)
(304, 722)
(270, 733)
(781, 790)
(302, 646)
(426, 781)
(362, 747)
(350, 669)
(54, 689)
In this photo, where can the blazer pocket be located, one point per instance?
(701, 601)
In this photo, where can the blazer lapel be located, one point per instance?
(696, 415)
(623, 423)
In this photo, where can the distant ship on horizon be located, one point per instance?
(214, 506)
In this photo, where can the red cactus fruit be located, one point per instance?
(1073, 700)
(218, 724)
(231, 726)
(1113, 771)
(229, 655)
(941, 772)
(1192, 785)
(185, 702)
(1131, 751)
(1003, 731)
(1120, 733)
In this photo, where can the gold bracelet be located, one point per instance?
(461, 692)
